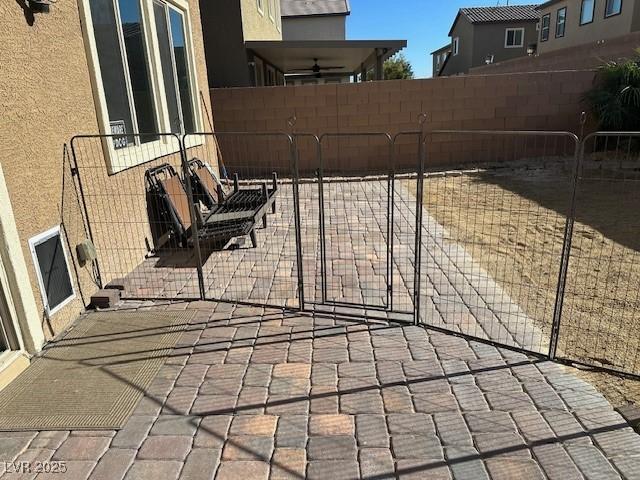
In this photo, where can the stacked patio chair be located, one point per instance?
(228, 215)
(169, 216)
(208, 189)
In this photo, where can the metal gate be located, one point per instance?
(524, 240)
(355, 229)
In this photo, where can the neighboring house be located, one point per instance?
(439, 57)
(87, 67)
(244, 45)
(226, 27)
(569, 23)
(314, 19)
(482, 35)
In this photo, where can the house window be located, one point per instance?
(259, 72)
(144, 73)
(175, 66)
(514, 38)
(271, 76)
(124, 67)
(587, 11)
(614, 7)
(456, 45)
(545, 27)
(561, 22)
(52, 270)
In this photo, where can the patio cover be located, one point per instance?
(354, 55)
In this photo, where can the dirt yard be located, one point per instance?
(512, 222)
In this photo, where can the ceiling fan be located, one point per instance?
(316, 69)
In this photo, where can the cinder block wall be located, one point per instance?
(536, 101)
(583, 57)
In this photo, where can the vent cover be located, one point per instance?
(52, 268)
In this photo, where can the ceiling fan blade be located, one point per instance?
(332, 68)
(301, 70)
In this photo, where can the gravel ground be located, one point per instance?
(512, 222)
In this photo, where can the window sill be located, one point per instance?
(130, 157)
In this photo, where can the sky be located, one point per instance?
(424, 24)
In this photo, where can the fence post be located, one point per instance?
(296, 209)
(323, 247)
(75, 172)
(422, 119)
(192, 212)
(566, 246)
(391, 189)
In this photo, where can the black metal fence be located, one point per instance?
(527, 240)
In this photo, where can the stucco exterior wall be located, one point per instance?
(258, 25)
(583, 57)
(461, 62)
(226, 56)
(333, 27)
(434, 58)
(46, 98)
(489, 39)
(600, 29)
(479, 40)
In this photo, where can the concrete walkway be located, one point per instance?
(250, 394)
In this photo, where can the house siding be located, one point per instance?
(461, 63)
(222, 24)
(315, 28)
(600, 29)
(256, 25)
(482, 39)
(47, 98)
(489, 39)
(434, 58)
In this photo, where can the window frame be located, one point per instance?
(271, 6)
(619, 12)
(506, 37)
(455, 47)
(33, 243)
(542, 27)
(593, 12)
(564, 23)
(9, 333)
(124, 158)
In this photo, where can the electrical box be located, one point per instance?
(86, 252)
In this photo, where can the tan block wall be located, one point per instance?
(584, 57)
(259, 26)
(514, 102)
(46, 98)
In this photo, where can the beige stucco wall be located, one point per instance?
(46, 98)
(258, 25)
(600, 29)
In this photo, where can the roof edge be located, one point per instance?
(448, 45)
(344, 14)
(546, 4)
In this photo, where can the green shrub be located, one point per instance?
(615, 99)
